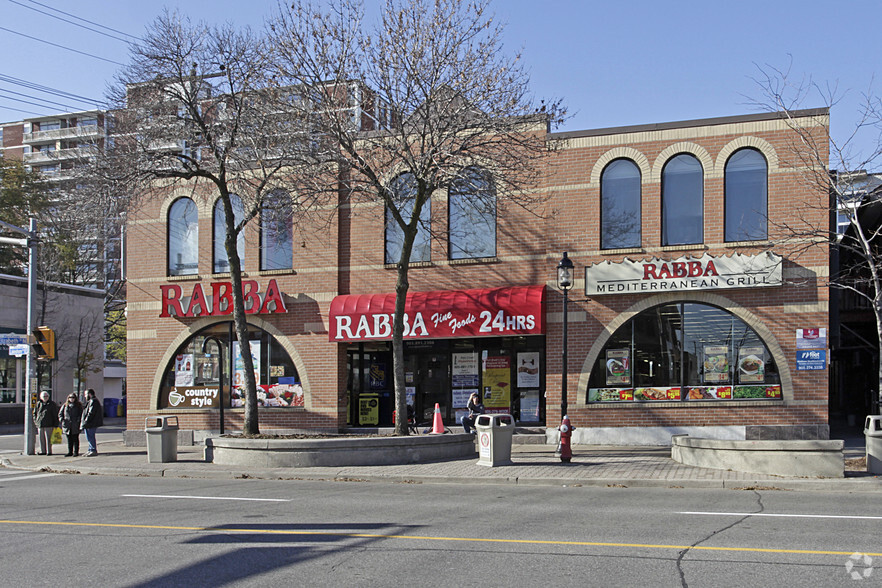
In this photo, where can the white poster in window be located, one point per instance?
(239, 372)
(716, 363)
(464, 371)
(528, 370)
(184, 370)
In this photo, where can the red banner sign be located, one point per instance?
(221, 301)
(493, 312)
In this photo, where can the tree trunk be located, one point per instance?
(250, 425)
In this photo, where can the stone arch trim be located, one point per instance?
(760, 145)
(254, 321)
(701, 297)
(707, 162)
(203, 208)
(622, 153)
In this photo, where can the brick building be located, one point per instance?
(692, 311)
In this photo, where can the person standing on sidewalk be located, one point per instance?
(70, 414)
(46, 419)
(93, 417)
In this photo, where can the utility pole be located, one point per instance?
(30, 241)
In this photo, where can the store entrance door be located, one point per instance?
(432, 386)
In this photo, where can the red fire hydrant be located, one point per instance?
(566, 432)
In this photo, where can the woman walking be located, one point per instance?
(93, 417)
(70, 414)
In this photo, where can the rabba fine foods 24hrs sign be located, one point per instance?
(685, 273)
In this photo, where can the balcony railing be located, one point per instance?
(42, 158)
(83, 132)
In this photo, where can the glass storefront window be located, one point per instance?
(201, 368)
(684, 351)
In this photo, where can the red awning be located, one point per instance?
(489, 312)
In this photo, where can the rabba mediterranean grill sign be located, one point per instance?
(684, 273)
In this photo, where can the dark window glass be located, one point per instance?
(404, 192)
(685, 351)
(682, 201)
(183, 238)
(620, 205)
(746, 196)
(472, 206)
(276, 232)
(221, 263)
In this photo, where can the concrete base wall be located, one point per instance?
(274, 453)
(815, 458)
(642, 435)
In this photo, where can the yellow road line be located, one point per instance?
(426, 538)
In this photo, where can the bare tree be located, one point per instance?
(852, 215)
(196, 107)
(426, 100)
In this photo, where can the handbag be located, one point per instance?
(56, 435)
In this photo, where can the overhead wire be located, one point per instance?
(134, 37)
(76, 24)
(61, 46)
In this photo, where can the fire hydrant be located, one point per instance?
(566, 432)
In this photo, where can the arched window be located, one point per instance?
(183, 238)
(684, 351)
(404, 192)
(201, 366)
(682, 201)
(472, 216)
(620, 205)
(221, 263)
(276, 232)
(746, 196)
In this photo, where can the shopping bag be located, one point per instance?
(56, 435)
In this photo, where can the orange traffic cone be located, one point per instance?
(437, 425)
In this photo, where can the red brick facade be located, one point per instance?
(343, 253)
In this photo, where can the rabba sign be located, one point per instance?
(220, 302)
(684, 273)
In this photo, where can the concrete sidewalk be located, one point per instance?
(604, 466)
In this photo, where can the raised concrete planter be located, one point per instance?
(337, 451)
(784, 458)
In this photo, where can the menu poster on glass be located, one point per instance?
(716, 363)
(528, 370)
(461, 396)
(497, 382)
(618, 367)
(530, 405)
(184, 370)
(465, 370)
(751, 365)
(239, 373)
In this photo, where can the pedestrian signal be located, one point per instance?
(44, 343)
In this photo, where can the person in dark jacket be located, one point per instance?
(70, 414)
(93, 417)
(475, 407)
(46, 419)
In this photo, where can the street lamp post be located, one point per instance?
(565, 282)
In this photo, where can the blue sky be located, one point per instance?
(613, 63)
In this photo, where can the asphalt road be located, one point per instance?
(60, 530)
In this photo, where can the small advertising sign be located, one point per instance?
(528, 370)
(751, 365)
(716, 364)
(811, 338)
(618, 367)
(811, 359)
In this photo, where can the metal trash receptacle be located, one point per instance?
(162, 439)
(873, 439)
(494, 439)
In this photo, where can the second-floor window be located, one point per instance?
(183, 238)
(746, 196)
(472, 209)
(276, 232)
(404, 192)
(682, 201)
(620, 205)
(220, 260)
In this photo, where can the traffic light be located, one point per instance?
(44, 343)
